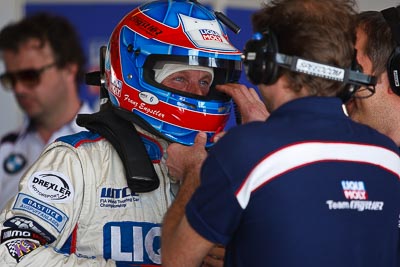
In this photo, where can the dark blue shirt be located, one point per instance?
(308, 187)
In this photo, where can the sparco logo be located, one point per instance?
(51, 187)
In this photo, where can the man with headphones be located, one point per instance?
(378, 47)
(308, 186)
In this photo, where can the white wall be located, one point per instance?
(10, 114)
(11, 10)
(376, 4)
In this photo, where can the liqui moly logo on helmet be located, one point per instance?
(354, 190)
(206, 34)
(211, 35)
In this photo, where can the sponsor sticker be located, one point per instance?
(117, 198)
(51, 186)
(354, 190)
(9, 234)
(115, 86)
(205, 34)
(208, 34)
(24, 223)
(357, 198)
(146, 25)
(49, 214)
(137, 243)
(20, 248)
(148, 98)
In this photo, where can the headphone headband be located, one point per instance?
(261, 60)
(392, 17)
(324, 71)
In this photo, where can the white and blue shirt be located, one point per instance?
(18, 150)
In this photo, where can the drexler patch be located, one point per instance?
(51, 186)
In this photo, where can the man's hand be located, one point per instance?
(182, 158)
(250, 105)
(215, 257)
(181, 245)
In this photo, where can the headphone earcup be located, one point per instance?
(270, 73)
(259, 58)
(393, 70)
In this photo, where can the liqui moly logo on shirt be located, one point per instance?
(132, 243)
(354, 190)
(208, 34)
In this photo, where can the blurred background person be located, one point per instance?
(44, 64)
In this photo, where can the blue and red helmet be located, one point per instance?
(177, 31)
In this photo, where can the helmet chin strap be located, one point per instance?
(140, 174)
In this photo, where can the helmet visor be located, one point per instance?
(225, 71)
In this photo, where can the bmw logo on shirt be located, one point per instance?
(14, 163)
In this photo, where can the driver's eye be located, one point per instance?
(179, 79)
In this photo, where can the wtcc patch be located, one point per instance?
(51, 186)
(115, 198)
(49, 214)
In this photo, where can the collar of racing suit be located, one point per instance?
(140, 174)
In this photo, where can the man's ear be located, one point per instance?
(383, 82)
(72, 68)
(70, 71)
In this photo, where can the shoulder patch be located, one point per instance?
(20, 223)
(51, 186)
(50, 214)
(79, 138)
(20, 248)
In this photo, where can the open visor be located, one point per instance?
(225, 71)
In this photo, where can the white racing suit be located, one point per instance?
(74, 208)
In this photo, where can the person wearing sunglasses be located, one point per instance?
(44, 64)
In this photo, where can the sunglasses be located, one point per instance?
(28, 77)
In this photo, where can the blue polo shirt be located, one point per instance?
(308, 187)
